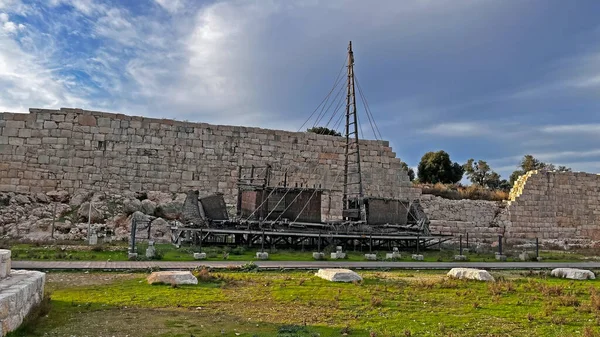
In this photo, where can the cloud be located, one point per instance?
(572, 128)
(172, 6)
(459, 129)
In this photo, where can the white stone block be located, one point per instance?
(460, 257)
(338, 255)
(470, 274)
(338, 275)
(172, 277)
(573, 274)
(262, 255)
(371, 257)
(199, 256)
(417, 257)
(393, 256)
(318, 255)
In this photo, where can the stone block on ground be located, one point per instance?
(200, 256)
(470, 274)
(172, 277)
(371, 257)
(500, 257)
(573, 274)
(151, 250)
(393, 256)
(338, 275)
(460, 257)
(132, 256)
(262, 255)
(318, 255)
(524, 256)
(417, 257)
(4, 263)
(20, 292)
(338, 255)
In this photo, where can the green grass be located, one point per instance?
(168, 252)
(299, 304)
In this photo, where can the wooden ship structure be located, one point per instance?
(285, 216)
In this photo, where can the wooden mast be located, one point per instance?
(353, 188)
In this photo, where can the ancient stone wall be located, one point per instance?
(482, 220)
(555, 206)
(72, 149)
(20, 291)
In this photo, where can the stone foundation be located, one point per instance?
(20, 291)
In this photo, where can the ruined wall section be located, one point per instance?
(555, 206)
(72, 149)
(482, 220)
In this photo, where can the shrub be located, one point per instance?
(457, 192)
(376, 301)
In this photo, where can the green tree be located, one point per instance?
(321, 130)
(436, 167)
(479, 172)
(409, 171)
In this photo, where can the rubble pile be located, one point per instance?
(62, 216)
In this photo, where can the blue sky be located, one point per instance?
(490, 80)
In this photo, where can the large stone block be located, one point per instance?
(172, 277)
(573, 274)
(338, 275)
(470, 274)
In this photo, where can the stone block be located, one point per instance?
(470, 274)
(524, 256)
(338, 255)
(460, 257)
(338, 275)
(371, 257)
(393, 256)
(200, 256)
(50, 125)
(318, 255)
(172, 277)
(262, 255)
(417, 257)
(500, 257)
(573, 274)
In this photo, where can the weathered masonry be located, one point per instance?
(558, 207)
(73, 149)
(20, 292)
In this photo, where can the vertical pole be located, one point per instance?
(133, 230)
(467, 240)
(285, 179)
(418, 242)
(200, 243)
(500, 244)
(440, 244)
(319, 243)
(537, 248)
(53, 221)
(370, 243)
(251, 174)
(262, 242)
(460, 244)
(89, 229)
(239, 193)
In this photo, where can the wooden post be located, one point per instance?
(53, 221)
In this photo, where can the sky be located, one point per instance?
(489, 80)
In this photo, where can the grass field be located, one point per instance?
(235, 303)
(118, 252)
